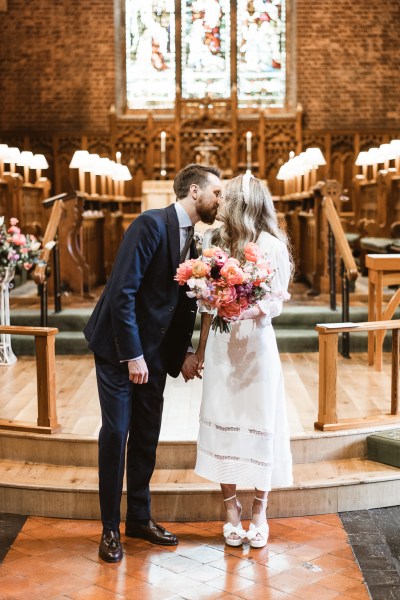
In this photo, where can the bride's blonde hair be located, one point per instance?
(245, 217)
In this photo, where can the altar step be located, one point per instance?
(294, 329)
(56, 476)
(60, 491)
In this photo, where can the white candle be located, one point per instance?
(163, 141)
(248, 141)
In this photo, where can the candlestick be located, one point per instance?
(248, 150)
(163, 141)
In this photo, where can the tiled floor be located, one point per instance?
(308, 558)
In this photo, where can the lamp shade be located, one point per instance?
(3, 151)
(79, 159)
(102, 166)
(39, 162)
(375, 156)
(315, 157)
(283, 173)
(11, 155)
(89, 165)
(395, 144)
(363, 159)
(25, 158)
(125, 174)
(387, 152)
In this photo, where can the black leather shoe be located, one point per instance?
(110, 548)
(150, 531)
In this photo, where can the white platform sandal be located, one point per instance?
(228, 528)
(261, 531)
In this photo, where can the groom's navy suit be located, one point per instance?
(142, 311)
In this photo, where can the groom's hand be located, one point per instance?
(190, 367)
(138, 371)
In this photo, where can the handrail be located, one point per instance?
(39, 273)
(340, 238)
(328, 358)
(46, 380)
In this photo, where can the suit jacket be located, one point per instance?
(142, 310)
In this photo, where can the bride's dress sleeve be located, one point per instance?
(279, 257)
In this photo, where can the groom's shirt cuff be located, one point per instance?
(129, 359)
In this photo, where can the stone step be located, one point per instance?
(180, 495)
(81, 451)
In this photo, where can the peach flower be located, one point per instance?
(230, 312)
(184, 271)
(232, 272)
(18, 238)
(200, 269)
(225, 296)
(251, 252)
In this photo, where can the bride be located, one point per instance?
(244, 435)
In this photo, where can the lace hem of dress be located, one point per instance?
(236, 429)
(225, 458)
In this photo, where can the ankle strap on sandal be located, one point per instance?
(261, 499)
(231, 498)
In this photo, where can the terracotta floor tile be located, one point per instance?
(258, 573)
(283, 562)
(260, 592)
(178, 564)
(12, 585)
(279, 545)
(316, 592)
(358, 592)
(203, 573)
(330, 563)
(346, 552)
(94, 592)
(353, 572)
(305, 552)
(231, 564)
(230, 583)
(286, 582)
(337, 582)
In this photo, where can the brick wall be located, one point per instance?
(348, 56)
(57, 64)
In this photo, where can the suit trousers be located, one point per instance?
(129, 412)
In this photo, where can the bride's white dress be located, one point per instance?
(244, 435)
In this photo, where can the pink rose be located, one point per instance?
(13, 229)
(230, 312)
(251, 252)
(232, 272)
(14, 221)
(184, 271)
(19, 239)
(225, 296)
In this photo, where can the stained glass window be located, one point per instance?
(150, 53)
(261, 52)
(205, 48)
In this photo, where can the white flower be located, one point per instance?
(50, 245)
(1, 221)
(35, 246)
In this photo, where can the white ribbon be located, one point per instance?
(263, 530)
(246, 186)
(229, 528)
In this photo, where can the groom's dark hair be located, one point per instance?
(190, 174)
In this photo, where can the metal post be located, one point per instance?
(332, 268)
(56, 276)
(345, 311)
(42, 287)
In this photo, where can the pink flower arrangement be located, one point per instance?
(17, 251)
(223, 285)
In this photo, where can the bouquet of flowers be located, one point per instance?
(221, 283)
(17, 250)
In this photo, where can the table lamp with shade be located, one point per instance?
(387, 153)
(11, 157)
(39, 163)
(363, 160)
(3, 152)
(316, 159)
(24, 160)
(395, 144)
(78, 161)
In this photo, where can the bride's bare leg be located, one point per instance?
(259, 508)
(231, 506)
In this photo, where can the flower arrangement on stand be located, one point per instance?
(17, 252)
(223, 285)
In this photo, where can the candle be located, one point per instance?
(248, 141)
(163, 141)
(118, 157)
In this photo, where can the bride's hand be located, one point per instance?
(200, 360)
(250, 313)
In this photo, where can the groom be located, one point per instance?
(140, 330)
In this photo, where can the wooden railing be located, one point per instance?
(46, 380)
(340, 238)
(328, 359)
